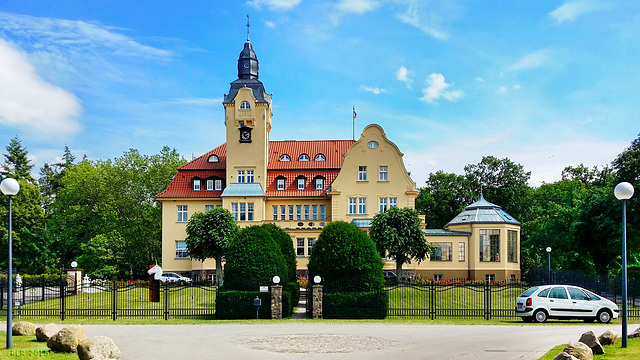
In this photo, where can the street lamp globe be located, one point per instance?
(623, 191)
(9, 186)
(549, 249)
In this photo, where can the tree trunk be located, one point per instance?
(399, 273)
(219, 270)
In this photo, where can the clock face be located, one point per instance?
(246, 65)
(245, 135)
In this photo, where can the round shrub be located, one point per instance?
(253, 259)
(344, 252)
(285, 243)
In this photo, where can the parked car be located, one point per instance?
(389, 275)
(540, 303)
(174, 278)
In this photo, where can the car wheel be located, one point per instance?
(527, 319)
(540, 316)
(604, 316)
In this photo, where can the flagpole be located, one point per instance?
(354, 124)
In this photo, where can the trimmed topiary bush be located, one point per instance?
(285, 243)
(235, 304)
(343, 251)
(253, 259)
(351, 270)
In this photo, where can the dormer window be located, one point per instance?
(280, 183)
(213, 159)
(319, 183)
(197, 185)
(319, 157)
(245, 105)
(301, 182)
(285, 157)
(303, 157)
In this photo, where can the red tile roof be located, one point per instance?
(180, 185)
(333, 150)
(291, 183)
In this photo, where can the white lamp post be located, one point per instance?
(549, 263)
(624, 192)
(10, 187)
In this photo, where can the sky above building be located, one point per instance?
(546, 84)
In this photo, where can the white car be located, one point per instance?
(540, 303)
(174, 278)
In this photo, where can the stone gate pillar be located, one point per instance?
(276, 302)
(317, 302)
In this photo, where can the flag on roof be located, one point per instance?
(354, 113)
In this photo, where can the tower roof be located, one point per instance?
(483, 211)
(248, 76)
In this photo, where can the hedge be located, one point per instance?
(373, 304)
(235, 304)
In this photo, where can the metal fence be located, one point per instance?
(112, 300)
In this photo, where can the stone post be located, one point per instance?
(276, 302)
(317, 302)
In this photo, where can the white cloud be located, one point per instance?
(274, 4)
(356, 6)
(502, 90)
(531, 61)
(427, 23)
(30, 103)
(479, 79)
(76, 35)
(270, 24)
(571, 10)
(376, 90)
(438, 89)
(403, 75)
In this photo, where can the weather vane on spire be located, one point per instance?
(248, 27)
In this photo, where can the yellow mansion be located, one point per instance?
(303, 185)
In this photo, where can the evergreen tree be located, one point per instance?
(16, 164)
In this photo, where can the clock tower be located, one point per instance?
(248, 122)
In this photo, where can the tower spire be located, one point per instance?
(248, 25)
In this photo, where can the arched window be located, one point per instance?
(303, 157)
(319, 157)
(285, 157)
(245, 105)
(213, 159)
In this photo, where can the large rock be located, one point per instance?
(579, 350)
(635, 334)
(609, 337)
(67, 339)
(44, 332)
(590, 339)
(564, 356)
(100, 347)
(23, 328)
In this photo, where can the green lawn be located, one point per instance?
(28, 347)
(611, 352)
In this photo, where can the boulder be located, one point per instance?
(23, 328)
(635, 334)
(590, 339)
(67, 339)
(579, 350)
(100, 347)
(609, 337)
(564, 356)
(44, 332)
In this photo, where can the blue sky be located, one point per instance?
(545, 83)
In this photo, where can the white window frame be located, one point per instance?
(310, 243)
(323, 212)
(319, 157)
(183, 213)
(209, 207)
(181, 249)
(280, 184)
(250, 176)
(291, 213)
(307, 212)
(285, 157)
(303, 157)
(300, 247)
(384, 206)
(384, 172)
(353, 206)
(218, 185)
(362, 206)
(245, 105)
(462, 251)
(362, 173)
(301, 183)
(275, 212)
(210, 184)
(283, 212)
(319, 184)
(240, 176)
(197, 185)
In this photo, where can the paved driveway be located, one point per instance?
(312, 340)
